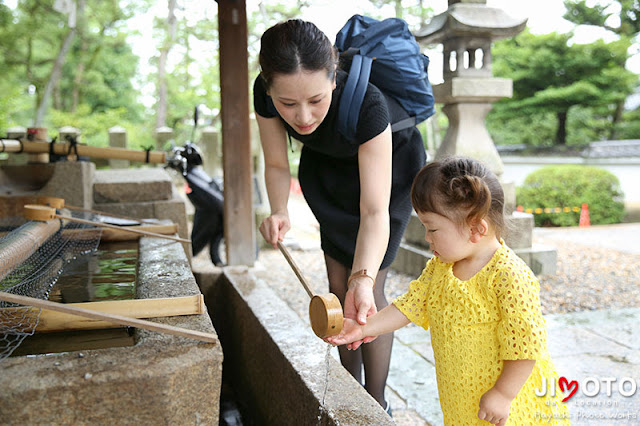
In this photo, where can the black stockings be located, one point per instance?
(374, 356)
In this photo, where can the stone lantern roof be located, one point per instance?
(470, 19)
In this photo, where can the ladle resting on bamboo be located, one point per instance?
(45, 213)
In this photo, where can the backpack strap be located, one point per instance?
(403, 124)
(353, 95)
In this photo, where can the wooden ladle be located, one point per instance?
(44, 213)
(325, 311)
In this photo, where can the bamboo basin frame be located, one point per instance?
(24, 145)
(50, 321)
(109, 317)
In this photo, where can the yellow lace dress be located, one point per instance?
(475, 325)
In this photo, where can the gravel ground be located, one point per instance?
(587, 278)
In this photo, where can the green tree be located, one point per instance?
(550, 75)
(623, 20)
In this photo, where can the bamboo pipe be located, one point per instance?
(62, 148)
(50, 321)
(118, 319)
(31, 237)
(44, 213)
(325, 311)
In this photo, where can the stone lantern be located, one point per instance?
(466, 31)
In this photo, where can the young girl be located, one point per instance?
(480, 300)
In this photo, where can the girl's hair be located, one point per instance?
(461, 189)
(295, 45)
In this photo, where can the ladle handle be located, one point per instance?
(295, 268)
(122, 228)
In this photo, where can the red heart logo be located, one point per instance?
(570, 386)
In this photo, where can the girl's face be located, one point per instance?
(447, 239)
(302, 99)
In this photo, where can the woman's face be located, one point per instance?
(303, 98)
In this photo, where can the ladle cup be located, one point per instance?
(325, 311)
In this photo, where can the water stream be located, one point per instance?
(327, 358)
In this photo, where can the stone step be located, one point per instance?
(127, 185)
(412, 259)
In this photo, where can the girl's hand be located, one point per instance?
(351, 332)
(494, 407)
(274, 228)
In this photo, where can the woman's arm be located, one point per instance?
(374, 162)
(496, 402)
(277, 176)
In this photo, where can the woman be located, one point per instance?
(357, 189)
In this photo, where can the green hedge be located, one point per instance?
(571, 186)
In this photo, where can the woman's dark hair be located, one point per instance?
(295, 45)
(461, 189)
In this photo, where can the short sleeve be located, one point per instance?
(413, 304)
(261, 99)
(522, 329)
(374, 115)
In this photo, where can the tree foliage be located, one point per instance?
(550, 75)
(627, 13)
(97, 74)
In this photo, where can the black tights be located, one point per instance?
(374, 356)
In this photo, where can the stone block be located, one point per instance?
(519, 233)
(415, 233)
(162, 379)
(72, 181)
(132, 185)
(411, 260)
(542, 259)
(173, 210)
(283, 374)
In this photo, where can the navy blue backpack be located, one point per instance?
(386, 54)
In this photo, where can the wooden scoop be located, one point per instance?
(325, 311)
(44, 213)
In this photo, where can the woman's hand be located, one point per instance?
(359, 304)
(494, 407)
(274, 228)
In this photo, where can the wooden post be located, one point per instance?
(17, 133)
(163, 134)
(118, 139)
(39, 135)
(239, 227)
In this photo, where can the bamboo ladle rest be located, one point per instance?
(45, 213)
(325, 311)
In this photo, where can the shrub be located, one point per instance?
(571, 186)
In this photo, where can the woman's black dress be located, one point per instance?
(329, 176)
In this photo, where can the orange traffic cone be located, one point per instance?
(584, 215)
